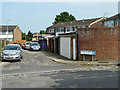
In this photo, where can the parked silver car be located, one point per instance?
(35, 46)
(27, 45)
(12, 52)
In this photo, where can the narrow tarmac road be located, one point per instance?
(34, 62)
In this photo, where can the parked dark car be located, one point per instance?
(35, 46)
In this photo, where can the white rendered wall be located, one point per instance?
(5, 36)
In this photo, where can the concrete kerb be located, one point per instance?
(90, 63)
(82, 63)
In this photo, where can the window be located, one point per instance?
(10, 39)
(112, 24)
(83, 27)
(58, 30)
(86, 26)
(68, 29)
(52, 30)
(80, 27)
(10, 33)
(3, 32)
(118, 21)
(109, 23)
(62, 30)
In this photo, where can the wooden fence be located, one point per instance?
(18, 41)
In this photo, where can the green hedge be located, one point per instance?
(1, 45)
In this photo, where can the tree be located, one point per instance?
(64, 17)
(23, 36)
(29, 36)
(42, 31)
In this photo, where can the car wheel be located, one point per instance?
(22, 57)
(19, 60)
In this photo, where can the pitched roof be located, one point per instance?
(113, 17)
(10, 27)
(36, 33)
(75, 23)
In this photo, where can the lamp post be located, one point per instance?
(37, 37)
(7, 27)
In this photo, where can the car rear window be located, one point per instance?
(35, 43)
(27, 43)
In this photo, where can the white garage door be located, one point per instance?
(65, 47)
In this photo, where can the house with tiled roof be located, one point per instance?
(112, 21)
(10, 32)
(68, 27)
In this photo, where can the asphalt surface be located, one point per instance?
(35, 63)
(98, 79)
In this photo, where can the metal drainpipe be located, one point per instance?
(77, 47)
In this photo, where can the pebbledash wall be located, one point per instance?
(105, 41)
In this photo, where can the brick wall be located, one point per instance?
(118, 42)
(103, 40)
(97, 24)
(17, 34)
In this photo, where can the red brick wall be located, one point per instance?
(17, 34)
(103, 40)
(118, 42)
(96, 25)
